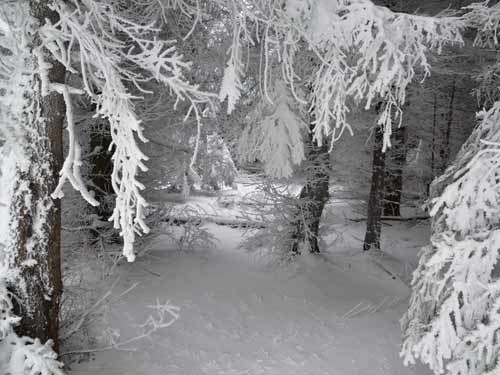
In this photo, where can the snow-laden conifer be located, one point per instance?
(452, 323)
(453, 320)
(275, 134)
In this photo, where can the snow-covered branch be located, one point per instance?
(387, 48)
(363, 52)
(164, 315)
(486, 20)
(114, 54)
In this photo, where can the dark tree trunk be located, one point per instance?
(102, 167)
(37, 216)
(449, 123)
(375, 202)
(433, 145)
(396, 156)
(312, 198)
(387, 181)
(444, 151)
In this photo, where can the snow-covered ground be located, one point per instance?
(240, 313)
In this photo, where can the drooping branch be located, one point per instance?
(93, 39)
(364, 53)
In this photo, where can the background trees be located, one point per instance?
(123, 53)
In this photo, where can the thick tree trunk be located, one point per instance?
(375, 202)
(396, 156)
(37, 216)
(312, 198)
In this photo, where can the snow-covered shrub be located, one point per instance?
(274, 206)
(183, 226)
(217, 167)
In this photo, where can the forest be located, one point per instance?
(225, 187)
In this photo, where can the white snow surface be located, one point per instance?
(240, 313)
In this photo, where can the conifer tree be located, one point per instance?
(452, 322)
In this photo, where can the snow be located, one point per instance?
(275, 133)
(243, 313)
(7, 181)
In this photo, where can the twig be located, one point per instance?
(394, 218)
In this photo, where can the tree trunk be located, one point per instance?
(36, 247)
(449, 123)
(102, 167)
(385, 199)
(375, 202)
(312, 198)
(444, 151)
(394, 174)
(433, 144)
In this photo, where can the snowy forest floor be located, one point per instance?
(241, 313)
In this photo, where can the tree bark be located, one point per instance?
(433, 144)
(449, 122)
(375, 202)
(102, 167)
(37, 246)
(394, 174)
(312, 198)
